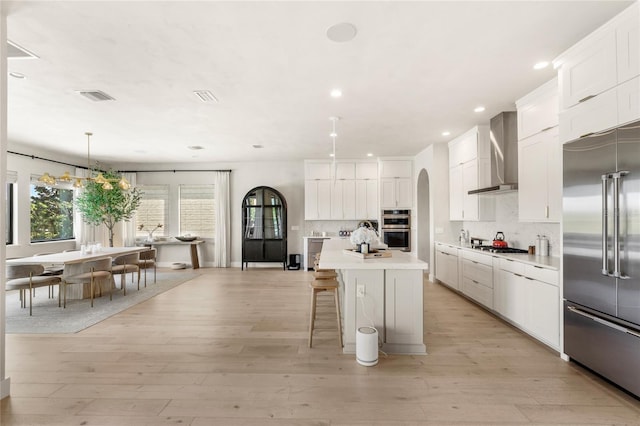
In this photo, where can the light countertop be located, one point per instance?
(549, 262)
(333, 257)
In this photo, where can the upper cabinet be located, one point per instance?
(469, 169)
(344, 190)
(598, 78)
(539, 153)
(396, 183)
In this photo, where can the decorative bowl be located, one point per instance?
(186, 239)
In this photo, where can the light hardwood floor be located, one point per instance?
(230, 348)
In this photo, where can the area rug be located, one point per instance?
(78, 315)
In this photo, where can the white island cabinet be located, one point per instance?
(386, 293)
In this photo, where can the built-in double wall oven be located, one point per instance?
(396, 229)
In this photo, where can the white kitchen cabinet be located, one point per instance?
(538, 110)
(395, 193)
(314, 170)
(540, 178)
(589, 70)
(367, 199)
(468, 170)
(628, 94)
(529, 297)
(396, 169)
(345, 170)
(367, 170)
(447, 265)
(343, 199)
(628, 45)
(477, 277)
(317, 199)
(403, 307)
(597, 114)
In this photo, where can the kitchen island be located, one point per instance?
(385, 293)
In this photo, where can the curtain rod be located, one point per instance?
(172, 170)
(35, 157)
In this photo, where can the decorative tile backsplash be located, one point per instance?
(517, 234)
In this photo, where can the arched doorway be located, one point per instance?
(424, 218)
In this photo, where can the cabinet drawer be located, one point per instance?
(477, 291)
(478, 272)
(549, 276)
(591, 116)
(447, 249)
(512, 266)
(478, 257)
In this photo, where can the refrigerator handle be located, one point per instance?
(617, 273)
(605, 226)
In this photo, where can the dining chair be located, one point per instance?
(148, 260)
(51, 269)
(124, 264)
(27, 277)
(89, 272)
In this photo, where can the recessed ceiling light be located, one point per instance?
(342, 32)
(446, 133)
(336, 93)
(369, 154)
(333, 135)
(479, 109)
(17, 75)
(331, 155)
(195, 147)
(541, 65)
(257, 146)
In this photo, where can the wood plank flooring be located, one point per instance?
(230, 348)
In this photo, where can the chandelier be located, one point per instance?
(78, 181)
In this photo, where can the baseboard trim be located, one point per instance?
(5, 386)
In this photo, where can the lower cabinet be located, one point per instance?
(529, 297)
(447, 265)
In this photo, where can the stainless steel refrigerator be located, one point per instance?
(601, 235)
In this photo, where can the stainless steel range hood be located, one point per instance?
(503, 134)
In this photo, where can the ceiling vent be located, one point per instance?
(95, 95)
(16, 52)
(205, 96)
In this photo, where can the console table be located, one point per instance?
(192, 244)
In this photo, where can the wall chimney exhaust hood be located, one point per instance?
(503, 135)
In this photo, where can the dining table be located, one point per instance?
(73, 260)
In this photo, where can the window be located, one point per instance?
(197, 210)
(51, 213)
(153, 210)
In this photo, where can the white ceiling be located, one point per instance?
(413, 70)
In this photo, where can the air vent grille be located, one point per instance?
(17, 52)
(95, 95)
(205, 96)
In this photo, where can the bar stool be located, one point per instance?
(318, 286)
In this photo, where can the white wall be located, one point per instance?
(286, 176)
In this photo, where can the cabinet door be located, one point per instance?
(628, 45)
(591, 116)
(533, 179)
(345, 171)
(349, 199)
(629, 101)
(403, 306)
(372, 200)
(404, 196)
(337, 194)
(540, 111)
(543, 311)
(511, 297)
(396, 169)
(469, 183)
(311, 200)
(589, 71)
(456, 197)
(554, 175)
(320, 170)
(388, 192)
(367, 170)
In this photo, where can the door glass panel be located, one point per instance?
(271, 198)
(253, 222)
(273, 222)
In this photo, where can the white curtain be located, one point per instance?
(129, 228)
(84, 232)
(222, 245)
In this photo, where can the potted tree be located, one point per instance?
(99, 205)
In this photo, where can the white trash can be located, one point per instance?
(367, 346)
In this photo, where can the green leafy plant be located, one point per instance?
(107, 206)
